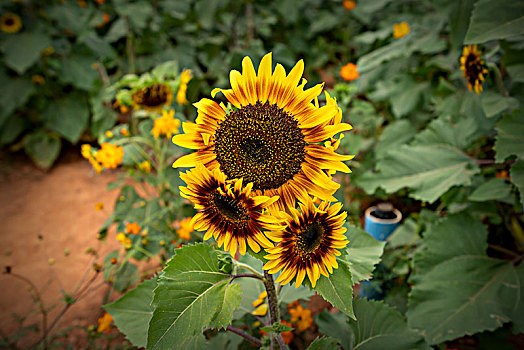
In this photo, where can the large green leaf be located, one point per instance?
(516, 72)
(490, 190)
(444, 131)
(336, 326)
(42, 148)
(429, 170)
(378, 326)
(78, 70)
(363, 253)
(191, 294)
(518, 312)
(322, 343)
(450, 229)
(464, 295)
(495, 20)
(22, 50)
(509, 138)
(517, 177)
(133, 311)
(395, 134)
(68, 117)
(13, 94)
(494, 103)
(337, 288)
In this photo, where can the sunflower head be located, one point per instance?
(309, 244)
(272, 136)
(473, 68)
(153, 97)
(10, 23)
(229, 211)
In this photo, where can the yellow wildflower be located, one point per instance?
(104, 323)
(185, 77)
(110, 156)
(260, 311)
(145, 166)
(349, 72)
(99, 206)
(10, 23)
(109, 134)
(185, 229)
(400, 30)
(87, 154)
(124, 240)
(166, 124)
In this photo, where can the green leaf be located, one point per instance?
(133, 311)
(444, 131)
(461, 296)
(492, 20)
(223, 341)
(450, 229)
(192, 294)
(118, 30)
(322, 343)
(517, 177)
(459, 21)
(429, 170)
(509, 136)
(77, 70)
(494, 104)
(13, 94)
(12, 128)
(516, 72)
(363, 253)
(125, 276)
(395, 134)
(68, 117)
(408, 94)
(336, 326)
(277, 327)
(289, 294)
(378, 326)
(490, 190)
(42, 148)
(518, 314)
(337, 288)
(22, 50)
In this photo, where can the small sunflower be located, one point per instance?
(473, 68)
(309, 243)
(10, 23)
(228, 210)
(153, 98)
(271, 137)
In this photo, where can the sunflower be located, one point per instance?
(229, 211)
(10, 23)
(271, 137)
(153, 98)
(473, 68)
(309, 243)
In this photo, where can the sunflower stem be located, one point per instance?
(274, 314)
(247, 267)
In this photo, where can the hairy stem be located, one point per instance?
(274, 314)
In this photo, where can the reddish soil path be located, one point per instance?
(58, 207)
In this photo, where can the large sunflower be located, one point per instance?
(473, 68)
(309, 244)
(153, 97)
(229, 211)
(272, 136)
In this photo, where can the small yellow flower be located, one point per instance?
(104, 323)
(260, 311)
(99, 206)
(145, 166)
(185, 77)
(109, 134)
(38, 79)
(185, 229)
(10, 23)
(87, 154)
(124, 240)
(110, 156)
(473, 68)
(166, 124)
(400, 30)
(48, 51)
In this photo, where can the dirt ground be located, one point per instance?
(48, 221)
